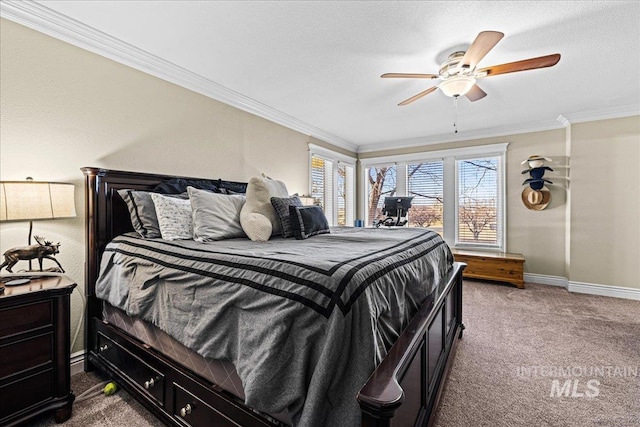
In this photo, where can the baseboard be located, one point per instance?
(583, 288)
(604, 290)
(542, 279)
(77, 362)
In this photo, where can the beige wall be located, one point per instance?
(605, 202)
(595, 239)
(63, 108)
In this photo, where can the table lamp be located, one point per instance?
(30, 201)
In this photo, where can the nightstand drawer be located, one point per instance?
(24, 354)
(139, 372)
(22, 319)
(26, 392)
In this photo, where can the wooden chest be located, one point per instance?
(498, 266)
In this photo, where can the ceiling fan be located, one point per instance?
(458, 74)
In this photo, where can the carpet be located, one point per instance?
(538, 356)
(542, 356)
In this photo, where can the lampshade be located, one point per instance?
(33, 200)
(457, 85)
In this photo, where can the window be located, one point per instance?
(345, 194)
(333, 185)
(322, 182)
(478, 202)
(459, 193)
(425, 184)
(381, 182)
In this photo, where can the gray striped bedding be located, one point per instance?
(303, 321)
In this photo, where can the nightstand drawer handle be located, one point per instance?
(149, 384)
(103, 348)
(185, 411)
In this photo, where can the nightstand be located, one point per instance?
(34, 348)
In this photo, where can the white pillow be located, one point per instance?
(258, 216)
(174, 217)
(215, 216)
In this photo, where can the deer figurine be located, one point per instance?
(42, 250)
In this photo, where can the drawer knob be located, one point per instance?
(149, 384)
(185, 411)
(103, 347)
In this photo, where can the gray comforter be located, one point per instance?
(304, 322)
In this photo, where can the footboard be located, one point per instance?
(405, 388)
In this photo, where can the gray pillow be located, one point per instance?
(215, 216)
(143, 212)
(307, 221)
(281, 205)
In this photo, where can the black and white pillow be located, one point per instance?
(175, 219)
(307, 221)
(281, 205)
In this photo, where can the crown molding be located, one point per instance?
(614, 112)
(461, 136)
(47, 21)
(562, 121)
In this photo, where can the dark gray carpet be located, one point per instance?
(503, 371)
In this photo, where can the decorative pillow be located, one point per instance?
(307, 221)
(179, 185)
(258, 217)
(143, 212)
(215, 216)
(174, 217)
(281, 205)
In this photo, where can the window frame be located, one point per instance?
(337, 159)
(449, 157)
(501, 176)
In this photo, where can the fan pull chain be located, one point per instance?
(455, 114)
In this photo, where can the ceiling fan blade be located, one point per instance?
(484, 42)
(524, 65)
(418, 96)
(408, 76)
(475, 93)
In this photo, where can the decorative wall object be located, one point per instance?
(536, 196)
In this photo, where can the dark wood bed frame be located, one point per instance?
(403, 390)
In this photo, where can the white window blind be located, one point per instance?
(479, 204)
(425, 183)
(345, 195)
(333, 188)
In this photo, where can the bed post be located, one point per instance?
(405, 388)
(92, 308)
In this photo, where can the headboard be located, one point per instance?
(107, 216)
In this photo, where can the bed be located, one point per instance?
(404, 365)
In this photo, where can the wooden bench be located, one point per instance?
(498, 266)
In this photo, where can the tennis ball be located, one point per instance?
(110, 388)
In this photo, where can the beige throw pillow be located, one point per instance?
(258, 216)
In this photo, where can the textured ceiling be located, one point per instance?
(320, 62)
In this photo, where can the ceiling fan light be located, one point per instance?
(457, 85)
